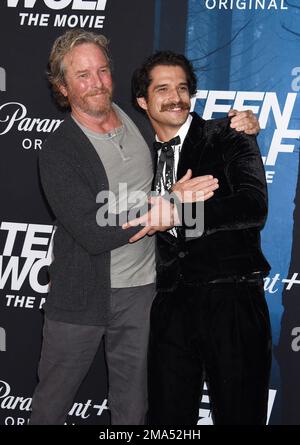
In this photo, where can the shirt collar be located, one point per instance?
(183, 130)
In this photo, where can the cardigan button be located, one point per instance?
(181, 254)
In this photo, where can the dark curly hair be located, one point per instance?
(141, 78)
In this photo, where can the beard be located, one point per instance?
(96, 103)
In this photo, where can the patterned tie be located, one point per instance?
(166, 157)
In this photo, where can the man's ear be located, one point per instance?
(63, 90)
(142, 103)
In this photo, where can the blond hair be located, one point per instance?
(62, 46)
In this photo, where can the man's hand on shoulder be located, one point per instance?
(244, 121)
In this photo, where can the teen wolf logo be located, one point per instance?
(267, 104)
(17, 266)
(2, 340)
(79, 18)
(98, 5)
(2, 79)
(205, 415)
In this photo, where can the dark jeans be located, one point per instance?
(220, 332)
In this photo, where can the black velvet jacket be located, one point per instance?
(233, 217)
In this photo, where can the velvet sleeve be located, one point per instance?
(246, 205)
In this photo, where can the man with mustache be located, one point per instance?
(209, 319)
(100, 285)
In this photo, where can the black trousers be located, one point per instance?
(220, 332)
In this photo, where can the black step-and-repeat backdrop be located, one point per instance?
(247, 56)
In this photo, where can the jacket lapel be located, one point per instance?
(193, 146)
(191, 153)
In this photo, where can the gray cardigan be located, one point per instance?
(72, 175)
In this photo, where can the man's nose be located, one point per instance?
(97, 80)
(175, 95)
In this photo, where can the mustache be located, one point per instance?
(97, 91)
(171, 105)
